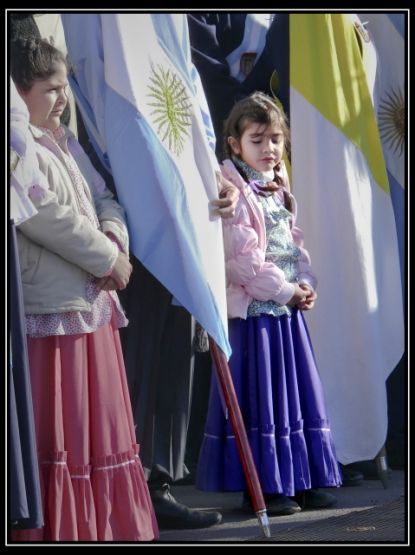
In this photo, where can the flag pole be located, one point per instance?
(225, 379)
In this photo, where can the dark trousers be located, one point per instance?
(159, 364)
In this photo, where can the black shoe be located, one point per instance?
(315, 499)
(172, 515)
(367, 469)
(350, 477)
(277, 505)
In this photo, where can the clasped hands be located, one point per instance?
(119, 276)
(304, 296)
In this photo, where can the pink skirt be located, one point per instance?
(92, 481)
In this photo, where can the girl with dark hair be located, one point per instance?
(73, 257)
(269, 284)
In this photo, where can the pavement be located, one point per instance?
(369, 514)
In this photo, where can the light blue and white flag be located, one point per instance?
(345, 209)
(387, 32)
(147, 116)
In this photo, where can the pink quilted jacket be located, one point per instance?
(248, 275)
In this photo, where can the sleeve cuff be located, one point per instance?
(114, 239)
(113, 259)
(285, 293)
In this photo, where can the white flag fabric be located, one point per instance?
(345, 210)
(147, 115)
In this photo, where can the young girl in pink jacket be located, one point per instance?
(73, 256)
(269, 285)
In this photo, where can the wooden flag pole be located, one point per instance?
(225, 379)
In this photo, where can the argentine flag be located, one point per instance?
(345, 209)
(146, 113)
(387, 32)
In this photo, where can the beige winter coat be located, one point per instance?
(59, 247)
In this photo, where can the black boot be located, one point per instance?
(172, 515)
(314, 499)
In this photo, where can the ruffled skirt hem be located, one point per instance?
(104, 501)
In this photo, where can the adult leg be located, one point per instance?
(146, 303)
(173, 395)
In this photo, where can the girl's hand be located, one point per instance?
(299, 296)
(106, 284)
(310, 299)
(228, 197)
(121, 271)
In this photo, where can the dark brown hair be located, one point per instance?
(33, 59)
(255, 108)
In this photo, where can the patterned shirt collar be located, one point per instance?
(261, 183)
(251, 174)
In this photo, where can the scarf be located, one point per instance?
(259, 182)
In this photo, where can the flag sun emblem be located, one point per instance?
(392, 121)
(172, 108)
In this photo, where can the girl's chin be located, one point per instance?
(266, 167)
(53, 123)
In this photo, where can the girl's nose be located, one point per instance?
(63, 97)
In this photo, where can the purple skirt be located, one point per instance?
(282, 403)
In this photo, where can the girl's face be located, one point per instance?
(47, 99)
(261, 146)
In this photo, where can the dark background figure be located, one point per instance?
(396, 447)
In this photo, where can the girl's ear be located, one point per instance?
(234, 144)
